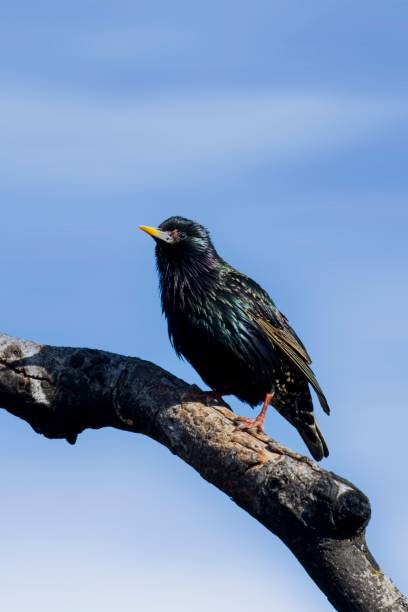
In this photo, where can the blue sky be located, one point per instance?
(281, 127)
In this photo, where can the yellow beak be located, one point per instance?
(158, 234)
(152, 231)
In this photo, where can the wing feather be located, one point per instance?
(284, 340)
(274, 326)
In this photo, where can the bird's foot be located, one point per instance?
(257, 423)
(208, 398)
(245, 423)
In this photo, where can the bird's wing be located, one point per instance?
(277, 330)
(288, 335)
(284, 340)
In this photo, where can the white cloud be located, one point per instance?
(168, 138)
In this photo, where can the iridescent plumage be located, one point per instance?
(230, 330)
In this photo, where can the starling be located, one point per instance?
(232, 333)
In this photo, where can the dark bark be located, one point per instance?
(318, 515)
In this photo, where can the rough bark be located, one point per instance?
(321, 517)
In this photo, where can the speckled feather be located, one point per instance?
(232, 333)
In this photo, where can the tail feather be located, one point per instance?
(297, 408)
(313, 438)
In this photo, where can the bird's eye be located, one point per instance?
(182, 236)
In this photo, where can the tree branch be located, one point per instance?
(321, 517)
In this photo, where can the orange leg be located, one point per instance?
(258, 422)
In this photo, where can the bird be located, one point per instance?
(232, 333)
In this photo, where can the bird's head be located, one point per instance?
(182, 240)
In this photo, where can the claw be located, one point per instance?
(245, 423)
(258, 422)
